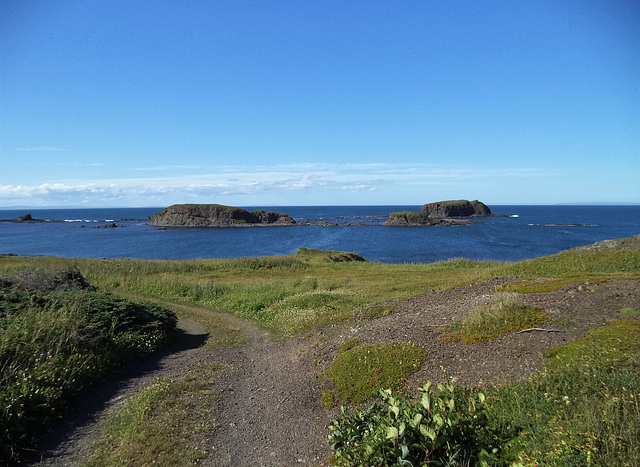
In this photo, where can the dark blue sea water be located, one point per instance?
(497, 238)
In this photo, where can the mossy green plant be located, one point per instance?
(614, 342)
(327, 398)
(351, 344)
(359, 371)
(629, 312)
(375, 312)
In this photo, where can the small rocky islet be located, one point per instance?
(455, 212)
(216, 215)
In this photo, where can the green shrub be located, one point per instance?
(329, 255)
(110, 314)
(55, 341)
(447, 427)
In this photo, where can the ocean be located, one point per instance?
(525, 232)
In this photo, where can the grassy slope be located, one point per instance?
(288, 294)
(285, 294)
(59, 337)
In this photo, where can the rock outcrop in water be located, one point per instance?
(416, 219)
(440, 213)
(216, 215)
(458, 208)
(27, 219)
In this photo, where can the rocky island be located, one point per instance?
(457, 208)
(216, 215)
(454, 212)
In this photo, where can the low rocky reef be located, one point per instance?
(455, 212)
(417, 219)
(216, 215)
(27, 218)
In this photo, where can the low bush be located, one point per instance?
(445, 427)
(57, 337)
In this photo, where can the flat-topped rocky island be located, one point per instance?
(216, 215)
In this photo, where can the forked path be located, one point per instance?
(269, 413)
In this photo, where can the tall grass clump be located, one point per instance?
(57, 337)
(504, 315)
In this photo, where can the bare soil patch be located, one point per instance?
(270, 412)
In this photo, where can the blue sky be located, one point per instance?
(151, 103)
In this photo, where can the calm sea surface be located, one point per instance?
(536, 231)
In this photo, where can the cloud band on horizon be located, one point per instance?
(256, 182)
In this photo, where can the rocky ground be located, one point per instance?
(270, 412)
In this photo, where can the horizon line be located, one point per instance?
(597, 203)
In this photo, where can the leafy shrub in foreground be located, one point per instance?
(447, 427)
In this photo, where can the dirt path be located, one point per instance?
(270, 412)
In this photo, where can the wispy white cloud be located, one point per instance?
(254, 183)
